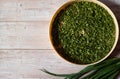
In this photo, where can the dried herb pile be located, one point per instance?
(83, 32)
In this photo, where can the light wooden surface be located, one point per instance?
(24, 42)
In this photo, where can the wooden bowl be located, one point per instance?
(96, 2)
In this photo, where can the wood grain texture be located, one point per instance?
(27, 64)
(24, 35)
(24, 40)
(24, 24)
(28, 10)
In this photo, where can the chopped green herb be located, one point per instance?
(83, 32)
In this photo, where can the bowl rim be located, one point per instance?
(98, 3)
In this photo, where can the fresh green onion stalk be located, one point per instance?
(107, 69)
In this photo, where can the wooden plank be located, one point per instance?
(24, 35)
(27, 64)
(28, 10)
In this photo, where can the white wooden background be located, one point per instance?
(24, 42)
